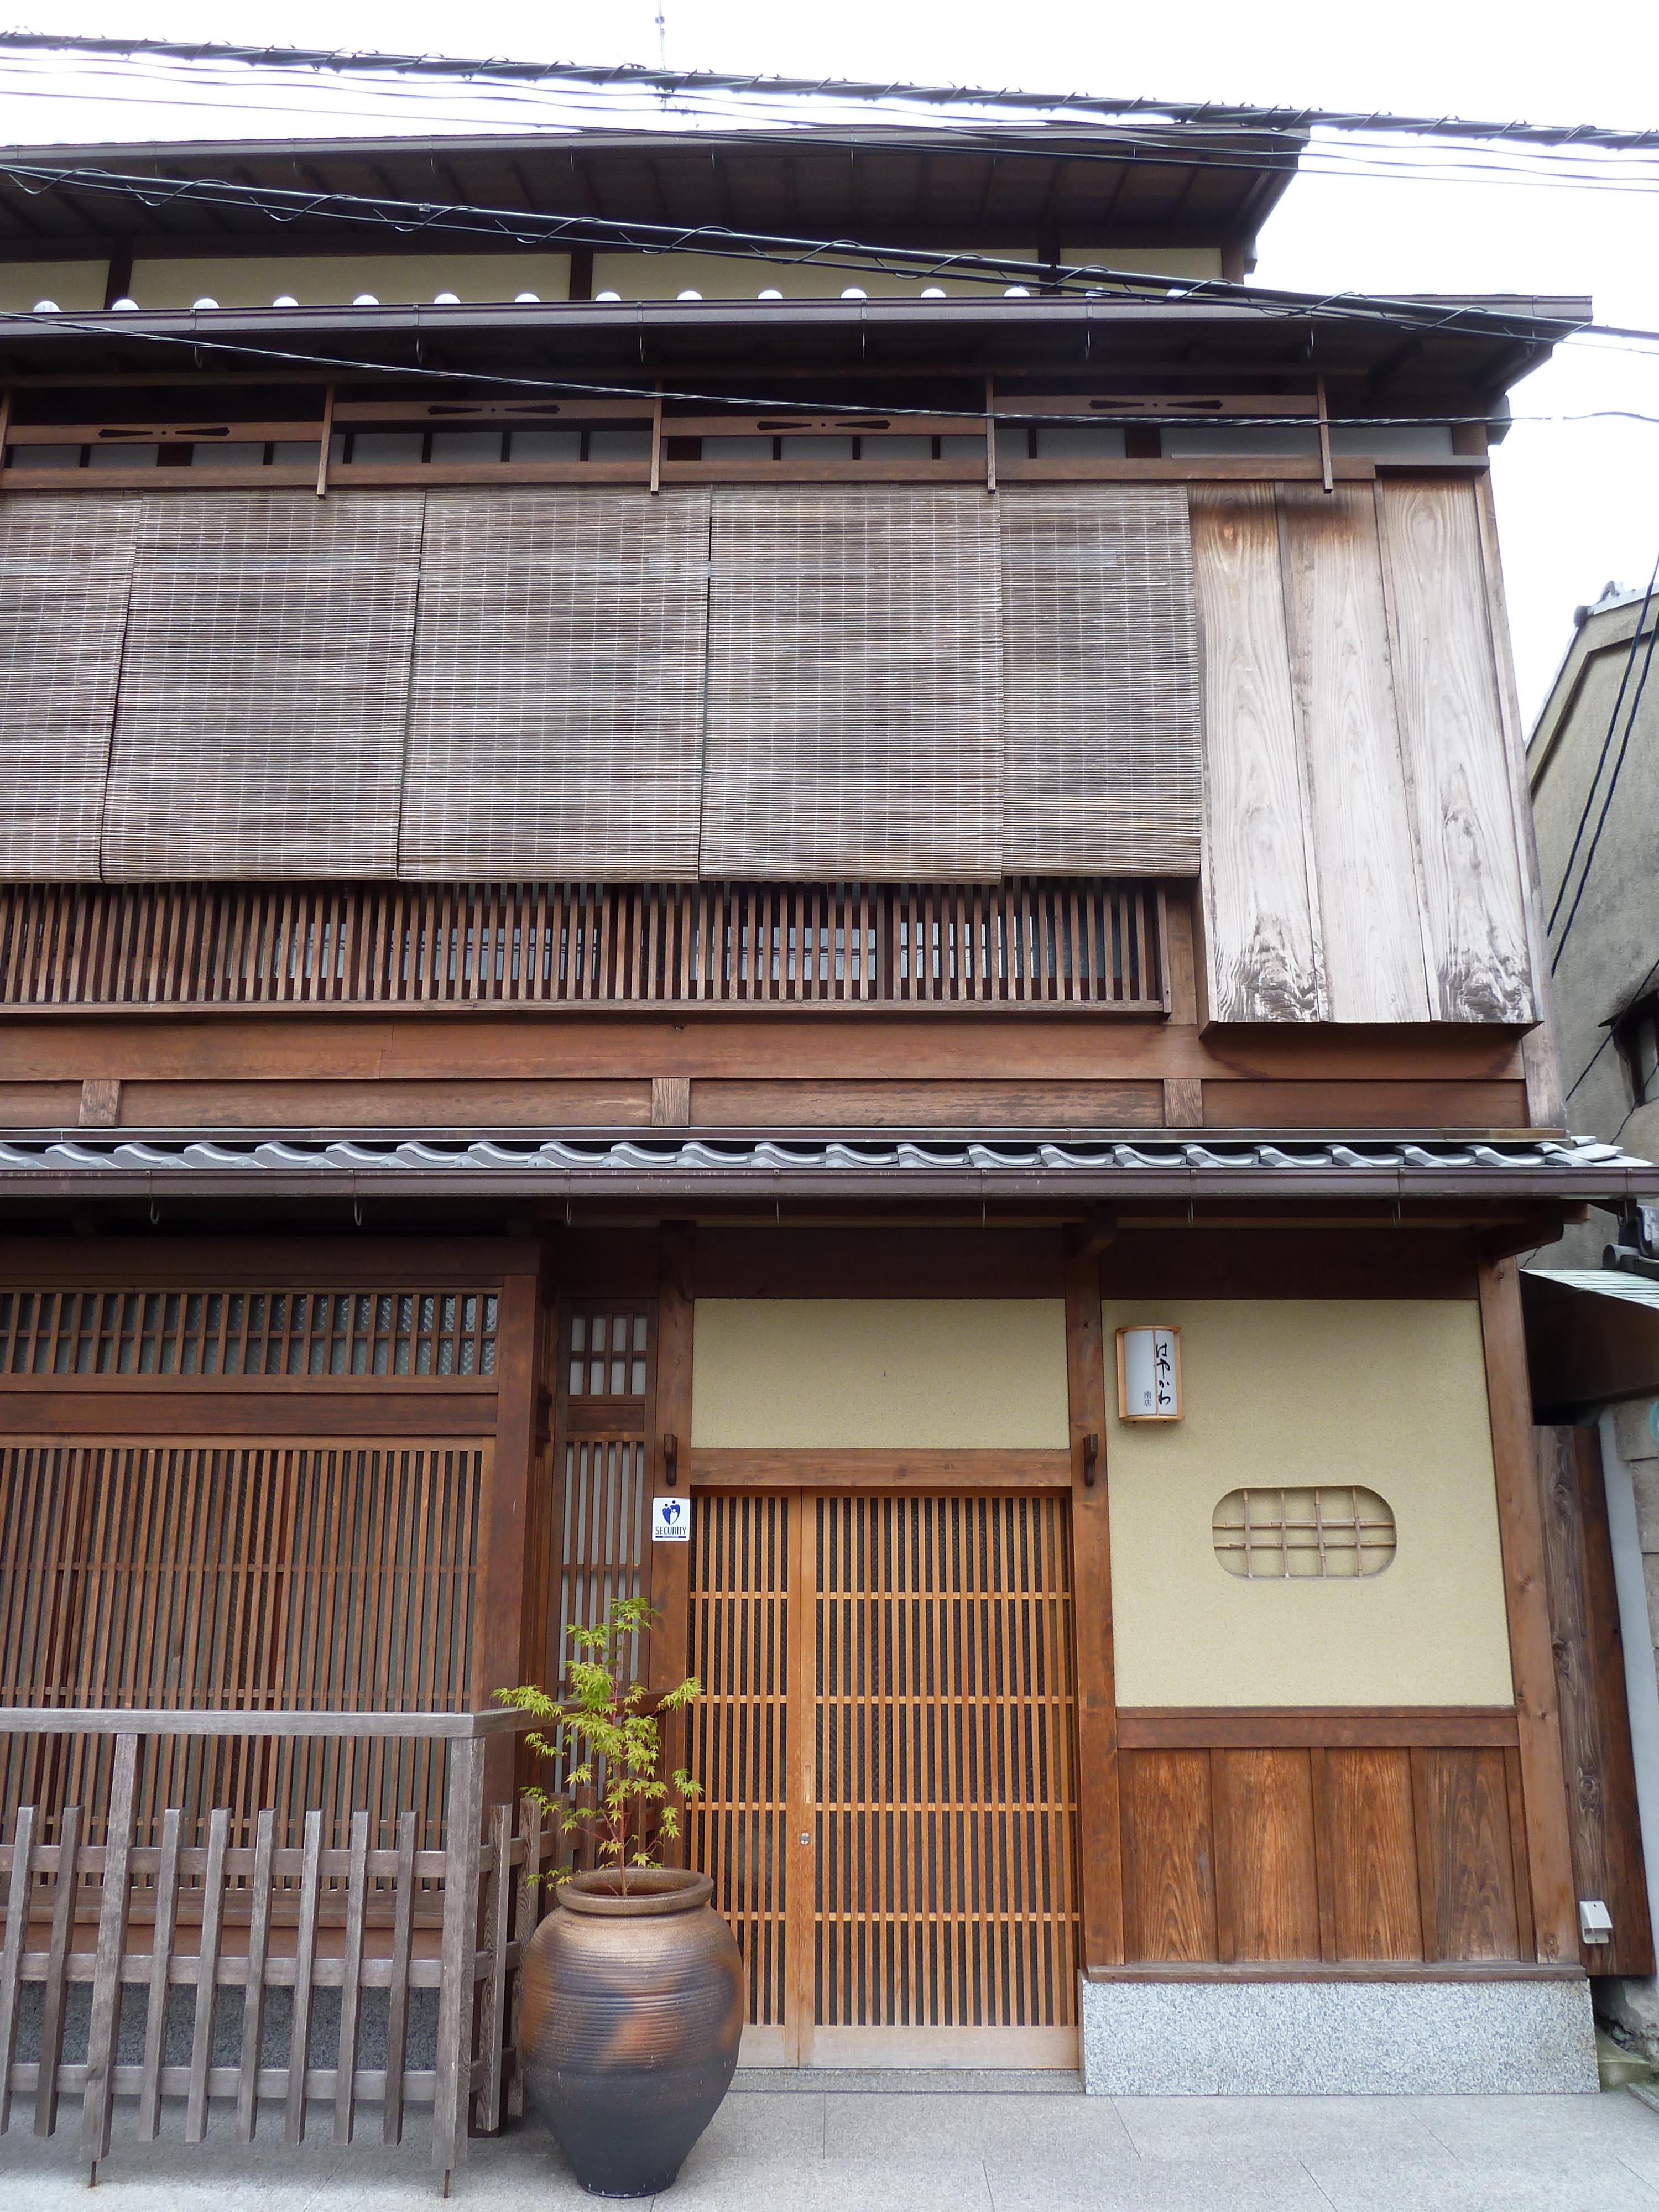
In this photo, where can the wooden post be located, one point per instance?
(505, 1518)
(1100, 1853)
(671, 1564)
(1532, 1659)
(457, 1986)
(97, 2105)
(328, 439)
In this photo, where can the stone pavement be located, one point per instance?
(842, 2146)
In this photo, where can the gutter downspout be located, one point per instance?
(1641, 1684)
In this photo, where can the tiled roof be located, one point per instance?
(664, 1164)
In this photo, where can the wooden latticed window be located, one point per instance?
(317, 1575)
(208, 1331)
(1335, 1533)
(605, 1397)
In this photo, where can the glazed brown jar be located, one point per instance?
(632, 2013)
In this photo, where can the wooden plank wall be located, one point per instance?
(1300, 1836)
(1361, 854)
(1603, 1824)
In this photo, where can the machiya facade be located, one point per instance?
(727, 898)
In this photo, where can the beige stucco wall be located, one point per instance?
(75, 285)
(1389, 1393)
(334, 280)
(845, 1374)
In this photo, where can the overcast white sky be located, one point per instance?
(1578, 503)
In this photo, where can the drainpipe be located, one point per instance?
(1642, 1693)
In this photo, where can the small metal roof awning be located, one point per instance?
(1592, 1338)
(660, 1166)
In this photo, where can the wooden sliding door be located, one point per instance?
(886, 1746)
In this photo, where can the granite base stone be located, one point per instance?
(1337, 2039)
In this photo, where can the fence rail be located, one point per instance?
(380, 1914)
(1093, 942)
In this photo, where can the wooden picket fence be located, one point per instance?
(381, 1912)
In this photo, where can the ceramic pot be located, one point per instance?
(627, 2034)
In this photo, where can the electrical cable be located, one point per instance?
(674, 83)
(1612, 785)
(1613, 724)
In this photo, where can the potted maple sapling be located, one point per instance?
(633, 2000)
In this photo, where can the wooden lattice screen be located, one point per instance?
(325, 1575)
(1029, 942)
(886, 1747)
(739, 1621)
(411, 1333)
(945, 1802)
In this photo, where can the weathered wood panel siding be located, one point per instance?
(1259, 927)
(1361, 856)
(1457, 771)
(1343, 684)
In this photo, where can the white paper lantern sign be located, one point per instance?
(1149, 1374)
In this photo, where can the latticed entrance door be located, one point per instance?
(885, 1744)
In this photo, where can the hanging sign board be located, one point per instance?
(670, 1520)
(1149, 1374)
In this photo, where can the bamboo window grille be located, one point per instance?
(1332, 1533)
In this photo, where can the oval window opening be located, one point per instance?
(1333, 1533)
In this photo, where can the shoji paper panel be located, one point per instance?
(855, 719)
(260, 724)
(1370, 915)
(65, 567)
(1458, 775)
(555, 719)
(1100, 667)
(1259, 932)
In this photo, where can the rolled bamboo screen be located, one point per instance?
(1101, 680)
(557, 707)
(65, 564)
(855, 719)
(264, 686)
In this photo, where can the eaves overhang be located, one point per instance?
(684, 1170)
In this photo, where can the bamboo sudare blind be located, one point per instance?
(556, 708)
(854, 716)
(326, 1576)
(264, 687)
(64, 569)
(1101, 679)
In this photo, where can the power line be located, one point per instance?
(678, 83)
(525, 227)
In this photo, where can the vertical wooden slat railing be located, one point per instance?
(474, 1902)
(1091, 942)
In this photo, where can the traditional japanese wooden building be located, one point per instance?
(704, 872)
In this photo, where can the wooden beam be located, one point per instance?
(671, 1564)
(809, 1468)
(1100, 1854)
(1531, 1657)
(504, 1520)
